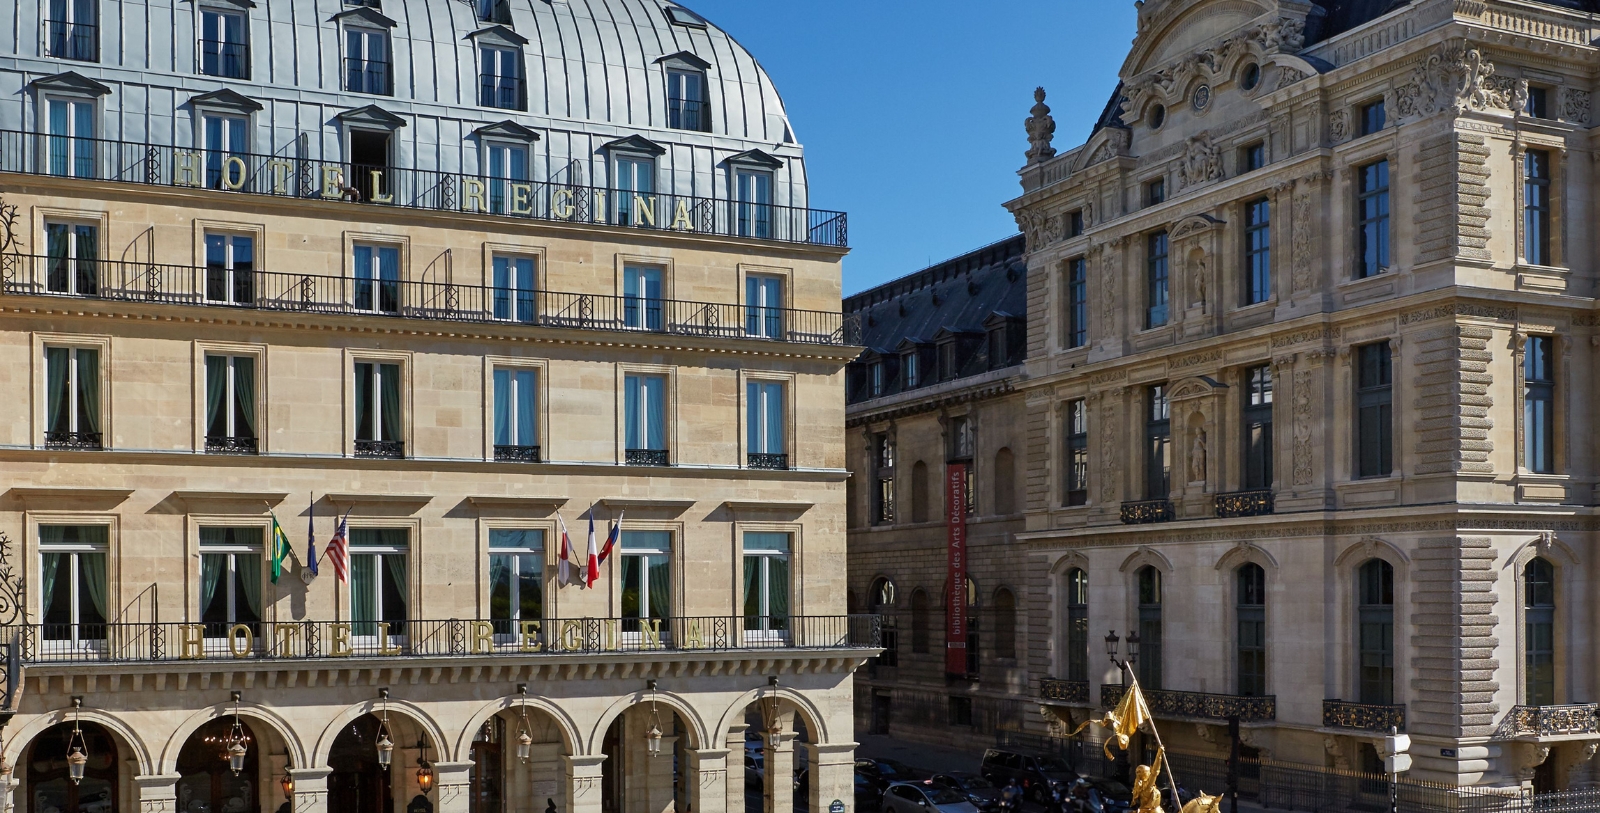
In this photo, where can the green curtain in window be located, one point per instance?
(88, 250)
(244, 383)
(57, 399)
(212, 568)
(216, 390)
(89, 390)
(660, 587)
(390, 387)
(778, 590)
(752, 592)
(500, 587)
(92, 569)
(364, 422)
(397, 574)
(363, 592)
(49, 572)
(249, 566)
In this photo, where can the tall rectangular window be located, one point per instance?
(641, 298)
(1077, 302)
(646, 577)
(1155, 192)
(1253, 157)
(1074, 223)
(71, 137)
(1250, 612)
(755, 203)
(766, 582)
(686, 101)
(1374, 411)
(223, 50)
(875, 380)
(71, 264)
(500, 78)
(1258, 251)
(963, 446)
(1077, 625)
(230, 578)
(508, 164)
(1150, 627)
(1156, 280)
(763, 306)
(230, 268)
(231, 404)
(366, 62)
(378, 428)
(1372, 220)
(1536, 208)
(1077, 458)
(514, 288)
(72, 582)
(1157, 444)
(1539, 633)
(765, 426)
(1538, 102)
(379, 582)
(377, 278)
(72, 30)
(1538, 404)
(911, 369)
(1375, 632)
(227, 137)
(516, 410)
(1258, 428)
(516, 578)
(1373, 117)
(883, 497)
(72, 398)
(645, 415)
(635, 193)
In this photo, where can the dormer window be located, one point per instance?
(686, 100)
(909, 371)
(223, 49)
(500, 78)
(72, 30)
(366, 61)
(494, 11)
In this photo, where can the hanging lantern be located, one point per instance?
(77, 760)
(524, 746)
(652, 736)
(287, 782)
(774, 736)
(524, 739)
(236, 747)
(385, 745)
(424, 768)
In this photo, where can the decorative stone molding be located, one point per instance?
(1302, 470)
(1576, 106)
(1455, 222)
(1455, 78)
(1202, 161)
(1041, 127)
(1246, 552)
(1454, 407)
(1453, 640)
(1339, 126)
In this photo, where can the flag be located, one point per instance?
(568, 570)
(281, 549)
(594, 554)
(612, 537)
(339, 550)
(311, 536)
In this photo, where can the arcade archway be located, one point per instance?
(48, 783)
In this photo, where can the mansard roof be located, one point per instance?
(955, 296)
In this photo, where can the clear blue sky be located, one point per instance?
(911, 111)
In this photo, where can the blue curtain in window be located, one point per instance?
(526, 436)
(502, 408)
(764, 416)
(389, 279)
(641, 294)
(363, 271)
(646, 412)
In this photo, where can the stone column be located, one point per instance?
(452, 787)
(832, 775)
(708, 780)
(735, 767)
(158, 793)
(542, 777)
(583, 783)
(311, 789)
(778, 785)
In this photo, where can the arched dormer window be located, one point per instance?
(500, 68)
(687, 95)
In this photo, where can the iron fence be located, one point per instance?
(310, 178)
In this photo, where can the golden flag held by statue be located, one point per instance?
(1123, 721)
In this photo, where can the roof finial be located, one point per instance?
(1041, 129)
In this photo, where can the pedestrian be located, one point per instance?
(550, 806)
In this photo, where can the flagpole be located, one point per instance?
(1162, 749)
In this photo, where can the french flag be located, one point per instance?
(594, 554)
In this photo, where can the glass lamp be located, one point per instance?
(1112, 642)
(385, 750)
(77, 760)
(287, 782)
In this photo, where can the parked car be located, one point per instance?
(917, 797)
(884, 772)
(755, 769)
(868, 796)
(979, 791)
(1038, 773)
(1104, 795)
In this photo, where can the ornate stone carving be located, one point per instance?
(1197, 457)
(1288, 76)
(1202, 161)
(1300, 241)
(1576, 105)
(1108, 453)
(1286, 35)
(1339, 126)
(1198, 274)
(1455, 77)
(1108, 288)
(1041, 130)
(1302, 469)
(1041, 229)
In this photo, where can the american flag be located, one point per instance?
(339, 550)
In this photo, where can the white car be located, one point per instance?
(915, 797)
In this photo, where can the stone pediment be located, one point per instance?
(1197, 387)
(1196, 224)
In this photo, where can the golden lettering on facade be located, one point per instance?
(610, 625)
(530, 636)
(234, 173)
(288, 634)
(383, 641)
(692, 638)
(482, 637)
(561, 204)
(571, 636)
(332, 183)
(235, 640)
(378, 195)
(341, 641)
(191, 641)
(278, 170)
(521, 199)
(473, 198)
(647, 211)
(682, 216)
(650, 633)
(185, 168)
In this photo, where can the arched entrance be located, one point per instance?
(358, 783)
(49, 786)
(508, 776)
(208, 784)
(634, 781)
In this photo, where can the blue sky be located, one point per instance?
(911, 111)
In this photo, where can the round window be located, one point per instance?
(1202, 98)
(1158, 117)
(1251, 77)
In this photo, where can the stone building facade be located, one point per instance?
(936, 389)
(1311, 334)
(463, 279)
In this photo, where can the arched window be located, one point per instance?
(880, 599)
(1077, 625)
(1250, 608)
(1539, 640)
(919, 492)
(1150, 627)
(919, 621)
(1375, 634)
(881, 596)
(1005, 624)
(974, 639)
(1005, 482)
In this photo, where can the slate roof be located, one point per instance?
(958, 294)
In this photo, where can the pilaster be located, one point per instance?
(832, 775)
(453, 787)
(311, 789)
(708, 780)
(583, 783)
(158, 793)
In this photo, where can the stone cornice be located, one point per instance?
(918, 406)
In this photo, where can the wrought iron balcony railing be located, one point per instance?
(230, 60)
(770, 462)
(309, 178)
(1569, 720)
(367, 76)
(36, 275)
(65, 39)
(1198, 705)
(648, 457)
(264, 640)
(504, 92)
(388, 449)
(516, 454)
(73, 440)
(1147, 511)
(227, 445)
(1363, 716)
(686, 114)
(1244, 504)
(1075, 692)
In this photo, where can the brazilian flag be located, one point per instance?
(281, 549)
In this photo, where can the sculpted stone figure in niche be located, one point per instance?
(1202, 161)
(1197, 457)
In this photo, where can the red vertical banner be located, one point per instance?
(955, 628)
